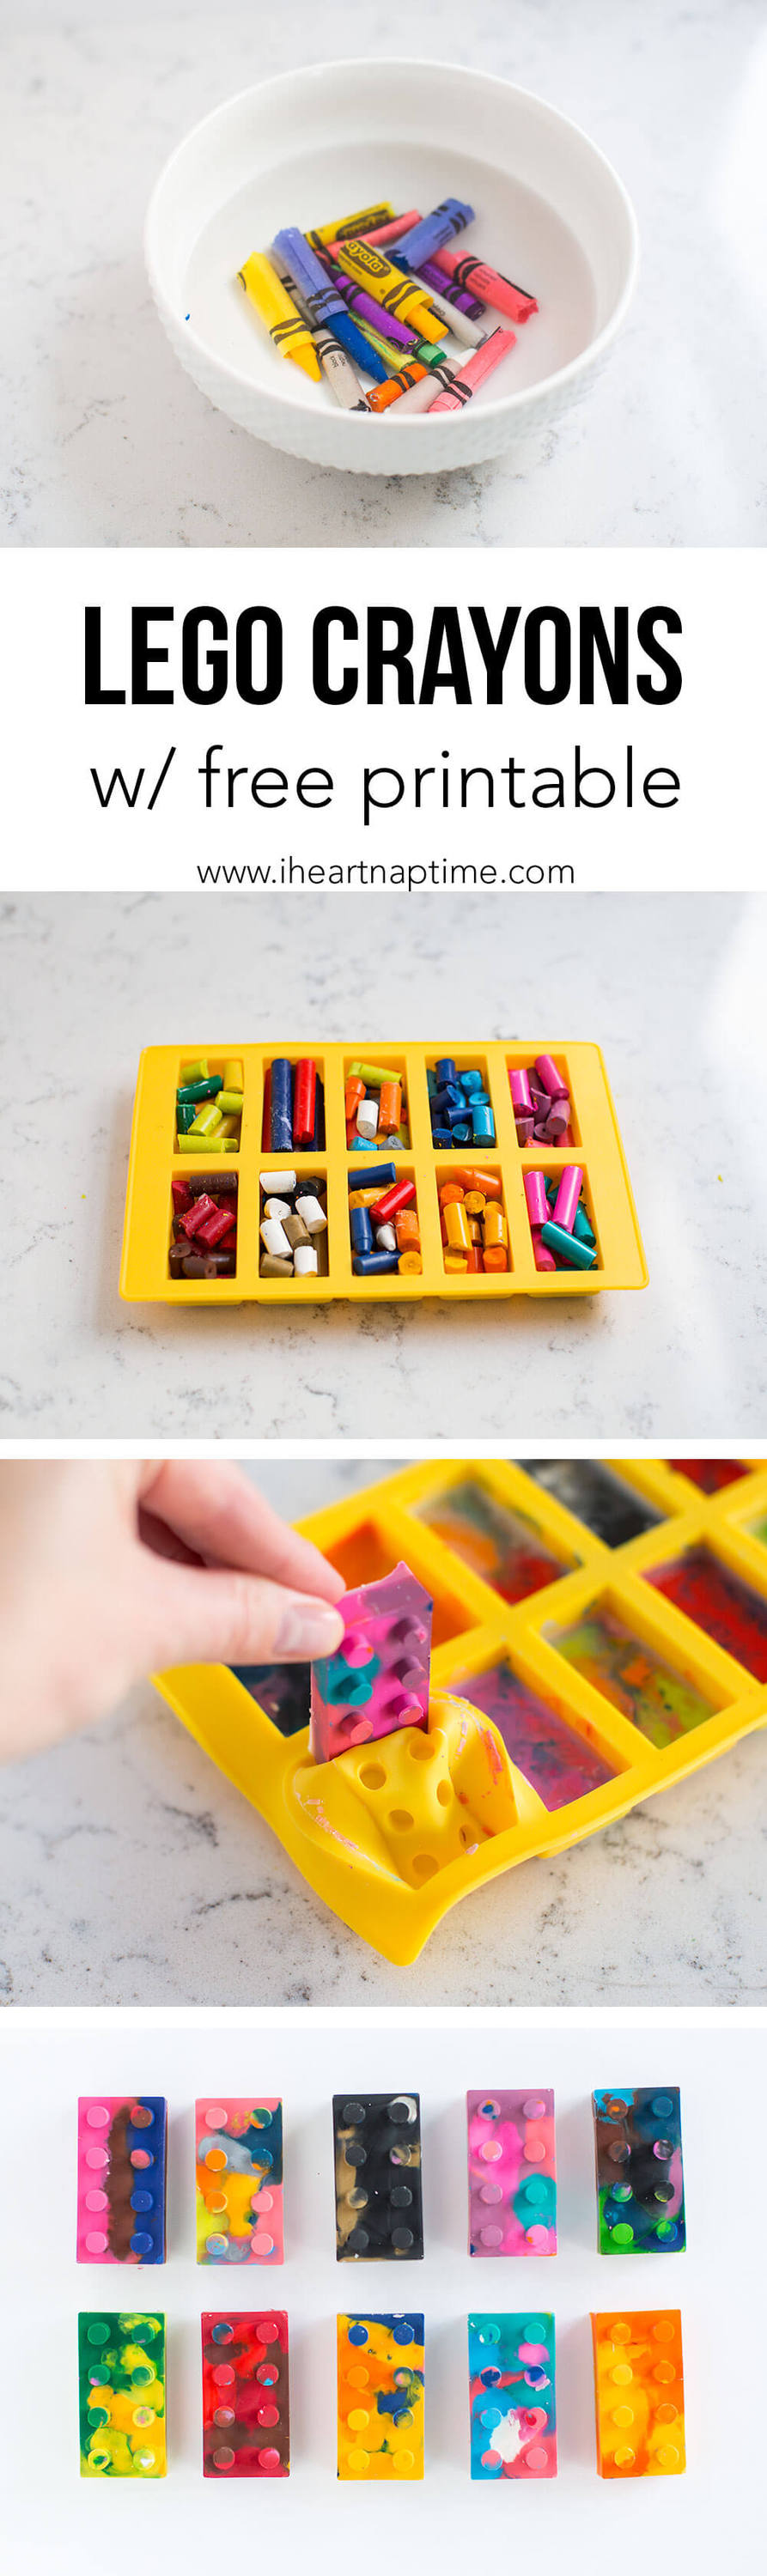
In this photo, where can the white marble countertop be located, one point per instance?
(107, 442)
(672, 988)
(132, 1873)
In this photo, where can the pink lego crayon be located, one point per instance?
(512, 2173)
(477, 278)
(481, 364)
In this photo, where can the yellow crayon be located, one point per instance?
(275, 307)
(350, 224)
(398, 294)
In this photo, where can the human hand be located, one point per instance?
(110, 1570)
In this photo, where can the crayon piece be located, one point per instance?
(575, 1254)
(204, 1087)
(382, 234)
(230, 1101)
(478, 367)
(371, 268)
(121, 2370)
(537, 1202)
(409, 1264)
(391, 357)
(478, 279)
(361, 1231)
(377, 2147)
(336, 365)
(380, 2398)
(639, 2393)
(121, 2177)
(281, 1137)
(304, 1100)
(271, 1267)
(216, 1227)
(348, 225)
(287, 331)
(435, 231)
(209, 1265)
(385, 1238)
(549, 1076)
(184, 1117)
(207, 1121)
(400, 1196)
(245, 2394)
(371, 1265)
(312, 1212)
(471, 333)
(321, 295)
(472, 1179)
(639, 2173)
(512, 2398)
(294, 1228)
(453, 297)
(378, 1679)
(390, 1107)
(567, 1197)
(424, 384)
(274, 1182)
(233, 1079)
(238, 2171)
(367, 310)
(197, 1072)
(305, 1261)
(374, 1074)
(408, 379)
(374, 1177)
(456, 1226)
(512, 2173)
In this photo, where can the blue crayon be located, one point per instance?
(375, 1176)
(433, 233)
(318, 1138)
(445, 1069)
(324, 302)
(281, 1113)
(369, 1264)
(361, 1230)
(483, 1123)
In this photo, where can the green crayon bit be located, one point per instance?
(430, 354)
(578, 1256)
(230, 1102)
(197, 1072)
(205, 1089)
(184, 1116)
(197, 1144)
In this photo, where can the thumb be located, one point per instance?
(211, 1615)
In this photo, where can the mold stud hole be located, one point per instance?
(421, 1748)
(373, 1776)
(400, 1820)
(444, 1792)
(424, 1865)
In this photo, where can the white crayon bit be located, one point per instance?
(305, 1261)
(386, 1238)
(276, 1207)
(314, 1218)
(367, 1114)
(277, 1181)
(274, 1238)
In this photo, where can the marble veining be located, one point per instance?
(107, 442)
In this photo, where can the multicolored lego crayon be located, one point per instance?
(245, 2394)
(238, 2171)
(121, 2178)
(492, 288)
(122, 2395)
(639, 2393)
(481, 364)
(639, 2175)
(512, 2397)
(380, 2398)
(288, 332)
(512, 2173)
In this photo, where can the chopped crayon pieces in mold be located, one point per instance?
(560, 1221)
(203, 1226)
(473, 1223)
(293, 1110)
(460, 1105)
(384, 1224)
(238, 2168)
(380, 2397)
(210, 1098)
(512, 2173)
(377, 2146)
(245, 2394)
(639, 2393)
(294, 1225)
(375, 1107)
(121, 2178)
(540, 1100)
(122, 2395)
(639, 2174)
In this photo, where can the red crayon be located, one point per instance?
(477, 278)
(305, 1092)
(266, 1122)
(480, 364)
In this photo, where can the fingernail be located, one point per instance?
(308, 1627)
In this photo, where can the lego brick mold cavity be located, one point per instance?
(377, 2141)
(639, 2173)
(512, 2173)
(639, 2392)
(380, 2398)
(121, 2178)
(512, 2397)
(245, 2394)
(378, 1678)
(238, 2168)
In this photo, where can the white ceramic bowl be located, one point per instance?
(315, 145)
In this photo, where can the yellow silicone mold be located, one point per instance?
(392, 1834)
(154, 1162)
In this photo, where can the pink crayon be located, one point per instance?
(481, 364)
(477, 279)
(568, 1195)
(384, 233)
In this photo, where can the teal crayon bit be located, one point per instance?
(200, 1090)
(566, 1247)
(582, 1229)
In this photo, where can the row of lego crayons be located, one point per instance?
(334, 301)
(638, 2387)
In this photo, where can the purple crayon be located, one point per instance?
(434, 232)
(438, 284)
(365, 307)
